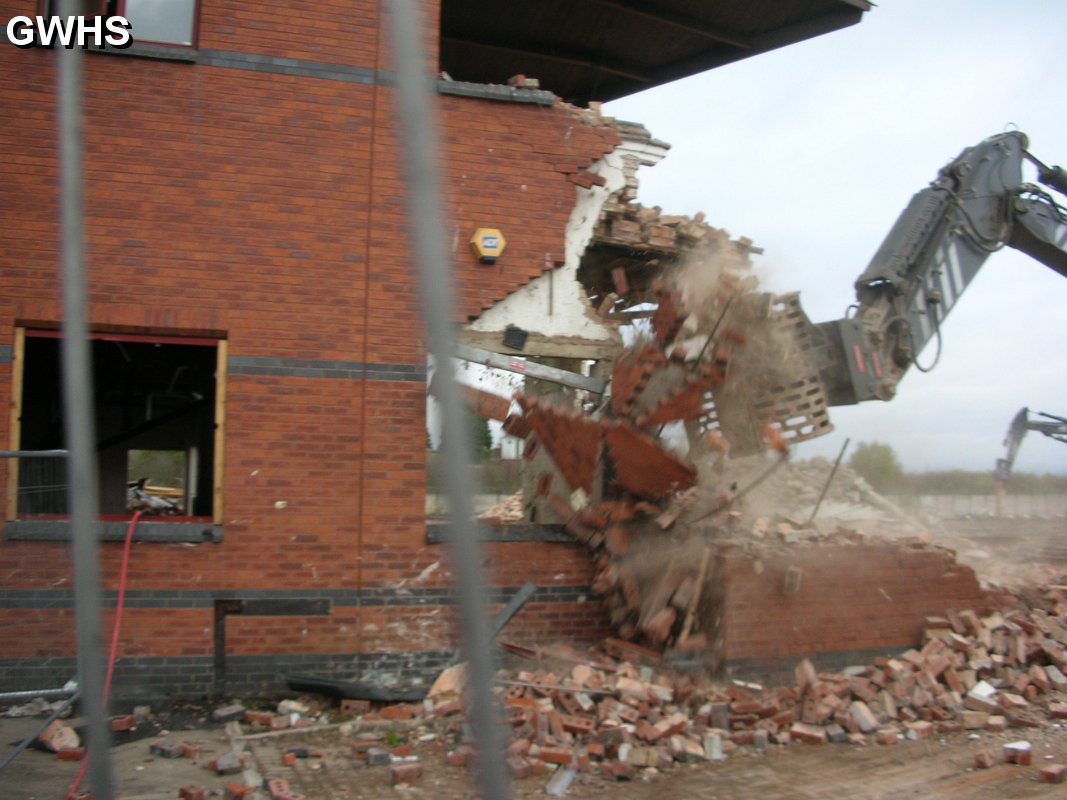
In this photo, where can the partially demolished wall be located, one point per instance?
(843, 601)
(660, 515)
(294, 266)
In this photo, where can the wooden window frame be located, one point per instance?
(18, 364)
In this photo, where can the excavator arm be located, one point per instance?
(978, 204)
(1052, 426)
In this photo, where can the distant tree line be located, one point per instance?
(489, 475)
(876, 463)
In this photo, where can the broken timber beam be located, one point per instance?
(531, 368)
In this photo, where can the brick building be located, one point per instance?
(252, 312)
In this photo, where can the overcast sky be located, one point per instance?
(813, 151)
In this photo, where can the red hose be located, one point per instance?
(113, 652)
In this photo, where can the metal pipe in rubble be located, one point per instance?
(77, 410)
(42, 694)
(829, 480)
(415, 102)
(56, 714)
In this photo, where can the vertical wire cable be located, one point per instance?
(77, 411)
(415, 104)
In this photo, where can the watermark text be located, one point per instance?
(70, 32)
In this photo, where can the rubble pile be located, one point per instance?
(846, 499)
(506, 511)
(622, 710)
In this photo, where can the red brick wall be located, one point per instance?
(503, 171)
(331, 32)
(269, 210)
(850, 598)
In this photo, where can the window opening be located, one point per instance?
(161, 22)
(156, 411)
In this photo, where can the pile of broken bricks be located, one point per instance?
(1000, 671)
(619, 712)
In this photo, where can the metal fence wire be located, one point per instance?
(419, 139)
(42, 481)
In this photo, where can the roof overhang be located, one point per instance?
(586, 50)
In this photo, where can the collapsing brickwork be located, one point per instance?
(647, 475)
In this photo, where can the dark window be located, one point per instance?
(155, 415)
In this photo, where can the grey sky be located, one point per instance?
(812, 151)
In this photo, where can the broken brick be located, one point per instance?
(57, 736)
(259, 719)
(352, 708)
(405, 773)
(984, 759)
(462, 756)
(518, 767)
(1054, 773)
(809, 734)
(617, 770)
(556, 755)
(886, 737)
(400, 712)
(125, 723)
(578, 725)
(595, 750)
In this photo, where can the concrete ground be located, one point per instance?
(938, 767)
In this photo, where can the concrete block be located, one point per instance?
(228, 764)
(228, 713)
(167, 749)
(378, 757)
(864, 717)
